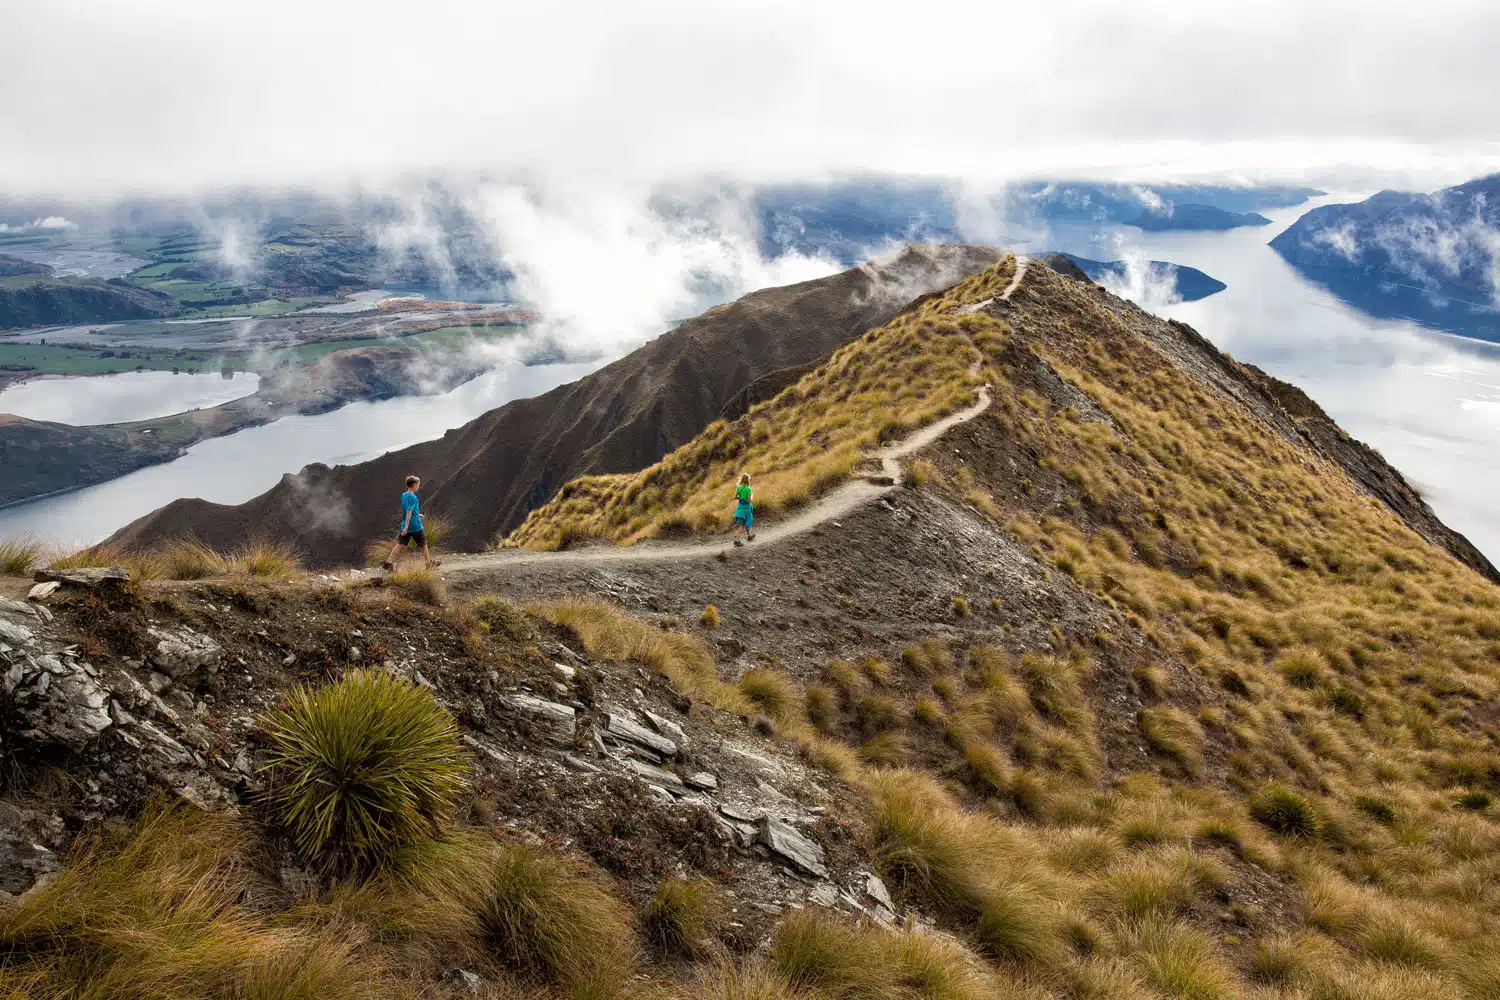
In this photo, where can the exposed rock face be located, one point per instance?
(22, 863)
(57, 696)
(182, 651)
(484, 477)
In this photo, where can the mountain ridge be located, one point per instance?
(622, 417)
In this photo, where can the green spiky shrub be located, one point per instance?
(362, 766)
(1284, 811)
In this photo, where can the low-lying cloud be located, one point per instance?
(146, 95)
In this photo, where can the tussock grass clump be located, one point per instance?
(1159, 884)
(142, 565)
(822, 706)
(1379, 810)
(266, 560)
(424, 586)
(608, 633)
(817, 951)
(1179, 960)
(158, 914)
(771, 691)
(1174, 733)
(557, 919)
(20, 555)
(709, 618)
(681, 916)
(1284, 811)
(928, 658)
(362, 766)
(503, 617)
(188, 559)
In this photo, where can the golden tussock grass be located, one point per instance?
(607, 632)
(159, 914)
(808, 438)
(185, 559)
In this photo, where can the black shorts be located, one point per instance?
(420, 537)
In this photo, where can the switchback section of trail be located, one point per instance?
(827, 508)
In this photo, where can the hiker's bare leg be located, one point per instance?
(395, 550)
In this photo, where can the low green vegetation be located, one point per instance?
(361, 767)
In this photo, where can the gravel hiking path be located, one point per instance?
(835, 504)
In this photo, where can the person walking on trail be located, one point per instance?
(411, 527)
(744, 512)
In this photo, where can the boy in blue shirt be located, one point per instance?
(411, 526)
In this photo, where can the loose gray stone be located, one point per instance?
(42, 591)
(486, 749)
(579, 764)
(736, 812)
(654, 774)
(20, 608)
(703, 781)
(181, 651)
(60, 702)
(823, 894)
(877, 891)
(89, 577)
(622, 728)
(666, 727)
(22, 863)
(784, 841)
(14, 632)
(561, 717)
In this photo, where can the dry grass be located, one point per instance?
(773, 693)
(1174, 733)
(608, 633)
(424, 586)
(20, 555)
(681, 916)
(502, 617)
(159, 915)
(890, 381)
(187, 559)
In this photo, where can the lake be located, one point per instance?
(234, 468)
(113, 399)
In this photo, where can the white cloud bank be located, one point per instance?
(104, 96)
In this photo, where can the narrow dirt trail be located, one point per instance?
(827, 508)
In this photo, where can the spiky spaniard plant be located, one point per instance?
(361, 766)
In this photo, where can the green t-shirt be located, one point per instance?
(742, 494)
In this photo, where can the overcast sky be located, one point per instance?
(104, 96)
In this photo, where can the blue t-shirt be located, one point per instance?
(409, 502)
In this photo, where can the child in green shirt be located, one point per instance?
(744, 512)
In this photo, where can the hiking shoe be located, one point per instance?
(749, 538)
(738, 543)
(387, 567)
(434, 564)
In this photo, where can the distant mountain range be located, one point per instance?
(1430, 258)
(847, 219)
(1188, 283)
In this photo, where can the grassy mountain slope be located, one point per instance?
(1148, 686)
(484, 477)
